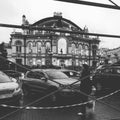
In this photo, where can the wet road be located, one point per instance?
(37, 112)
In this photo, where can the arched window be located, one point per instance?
(86, 50)
(80, 49)
(73, 48)
(62, 46)
(39, 47)
(48, 47)
(18, 46)
(30, 47)
(83, 50)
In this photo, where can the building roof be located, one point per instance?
(57, 21)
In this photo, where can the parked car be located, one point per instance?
(107, 78)
(9, 89)
(44, 81)
(71, 73)
(13, 73)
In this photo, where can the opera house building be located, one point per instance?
(41, 47)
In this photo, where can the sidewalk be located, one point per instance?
(104, 112)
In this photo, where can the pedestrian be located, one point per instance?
(85, 88)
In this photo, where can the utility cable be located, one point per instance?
(51, 94)
(91, 4)
(57, 30)
(98, 100)
(54, 93)
(114, 3)
(29, 104)
(26, 68)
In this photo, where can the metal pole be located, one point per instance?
(51, 50)
(58, 30)
(24, 50)
(91, 4)
(89, 53)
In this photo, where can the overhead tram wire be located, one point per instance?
(25, 68)
(24, 107)
(63, 106)
(29, 104)
(97, 5)
(75, 32)
(98, 100)
(57, 30)
(91, 4)
(53, 93)
(114, 3)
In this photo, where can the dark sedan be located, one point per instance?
(47, 81)
(107, 78)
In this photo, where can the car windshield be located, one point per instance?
(4, 78)
(56, 75)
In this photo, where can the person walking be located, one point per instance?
(85, 88)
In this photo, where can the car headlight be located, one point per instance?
(65, 86)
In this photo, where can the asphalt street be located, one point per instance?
(105, 109)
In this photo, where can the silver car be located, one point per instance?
(9, 88)
(46, 81)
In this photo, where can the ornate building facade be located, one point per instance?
(40, 47)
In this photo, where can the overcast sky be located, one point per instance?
(98, 20)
